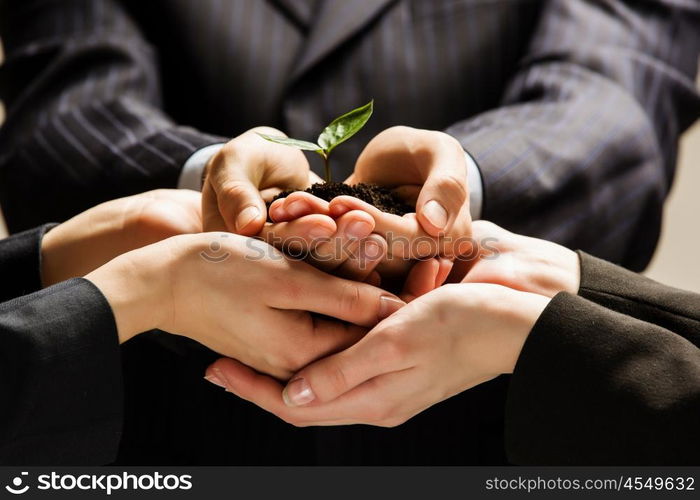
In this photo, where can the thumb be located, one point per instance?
(242, 207)
(333, 376)
(444, 192)
(233, 199)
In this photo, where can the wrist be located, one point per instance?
(570, 265)
(49, 268)
(133, 286)
(529, 310)
(520, 311)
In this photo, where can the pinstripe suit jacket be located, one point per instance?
(572, 108)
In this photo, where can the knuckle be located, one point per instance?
(350, 298)
(393, 348)
(380, 414)
(391, 422)
(235, 189)
(336, 379)
(295, 360)
(453, 186)
(290, 290)
(400, 130)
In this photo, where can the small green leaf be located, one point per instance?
(288, 141)
(344, 127)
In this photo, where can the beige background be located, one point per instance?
(675, 260)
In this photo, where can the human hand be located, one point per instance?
(427, 168)
(403, 240)
(519, 262)
(239, 297)
(247, 171)
(439, 345)
(99, 234)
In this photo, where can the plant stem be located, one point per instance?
(327, 167)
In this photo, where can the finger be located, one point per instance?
(359, 405)
(332, 376)
(238, 200)
(297, 205)
(421, 279)
(445, 267)
(212, 220)
(245, 382)
(444, 192)
(299, 236)
(362, 263)
(353, 227)
(305, 288)
(404, 235)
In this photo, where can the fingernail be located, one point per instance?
(371, 250)
(318, 232)
(275, 212)
(215, 380)
(296, 208)
(435, 213)
(358, 229)
(247, 215)
(297, 393)
(388, 305)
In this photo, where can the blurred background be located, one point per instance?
(674, 262)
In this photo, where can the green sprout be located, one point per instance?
(340, 130)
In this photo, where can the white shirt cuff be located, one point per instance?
(476, 187)
(191, 174)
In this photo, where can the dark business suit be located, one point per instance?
(611, 376)
(572, 108)
(60, 376)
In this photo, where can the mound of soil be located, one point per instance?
(378, 196)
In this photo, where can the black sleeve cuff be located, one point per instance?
(60, 378)
(20, 263)
(595, 387)
(632, 294)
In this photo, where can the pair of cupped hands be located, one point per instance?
(318, 340)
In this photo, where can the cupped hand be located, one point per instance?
(442, 343)
(99, 234)
(240, 297)
(403, 239)
(439, 345)
(427, 168)
(245, 173)
(519, 262)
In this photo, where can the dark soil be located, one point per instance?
(378, 196)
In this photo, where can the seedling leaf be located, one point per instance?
(288, 141)
(344, 127)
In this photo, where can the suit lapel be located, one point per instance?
(301, 11)
(335, 23)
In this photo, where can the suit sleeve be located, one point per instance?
(593, 386)
(635, 295)
(584, 141)
(60, 378)
(84, 119)
(20, 263)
